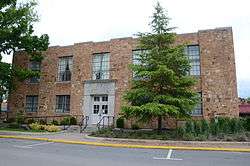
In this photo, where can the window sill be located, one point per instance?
(63, 82)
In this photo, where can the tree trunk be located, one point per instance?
(159, 123)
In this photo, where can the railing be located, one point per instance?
(105, 121)
(84, 123)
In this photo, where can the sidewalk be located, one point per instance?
(83, 138)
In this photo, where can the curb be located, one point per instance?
(126, 145)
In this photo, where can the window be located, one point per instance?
(105, 109)
(198, 109)
(104, 98)
(65, 68)
(31, 103)
(96, 109)
(100, 66)
(62, 103)
(96, 98)
(35, 66)
(193, 52)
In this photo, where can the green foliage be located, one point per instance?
(19, 118)
(163, 87)
(120, 123)
(29, 121)
(42, 122)
(16, 33)
(72, 120)
(246, 124)
(55, 122)
(189, 127)
(65, 121)
(135, 127)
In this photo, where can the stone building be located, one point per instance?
(90, 78)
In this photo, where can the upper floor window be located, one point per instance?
(193, 52)
(65, 68)
(198, 109)
(100, 66)
(35, 66)
(31, 103)
(62, 103)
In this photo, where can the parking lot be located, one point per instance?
(29, 153)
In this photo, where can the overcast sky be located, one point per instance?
(71, 21)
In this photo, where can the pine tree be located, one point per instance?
(163, 86)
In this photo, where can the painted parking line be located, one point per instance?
(32, 145)
(168, 156)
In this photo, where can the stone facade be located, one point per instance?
(217, 81)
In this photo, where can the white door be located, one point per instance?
(100, 108)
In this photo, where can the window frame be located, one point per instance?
(62, 104)
(35, 79)
(33, 103)
(66, 75)
(195, 59)
(101, 63)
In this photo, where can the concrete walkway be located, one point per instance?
(83, 138)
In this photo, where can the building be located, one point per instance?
(90, 78)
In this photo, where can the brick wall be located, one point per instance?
(217, 81)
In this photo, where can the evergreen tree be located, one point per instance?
(16, 33)
(163, 86)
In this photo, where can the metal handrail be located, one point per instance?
(102, 121)
(84, 123)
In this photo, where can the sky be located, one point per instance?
(68, 22)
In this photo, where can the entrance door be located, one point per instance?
(100, 107)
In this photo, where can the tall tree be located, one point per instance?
(16, 34)
(163, 86)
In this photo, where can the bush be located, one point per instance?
(120, 123)
(19, 118)
(197, 127)
(135, 127)
(189, 127)
(51, 128)
(188, 137)
(36, 126)
(246, 124)
(179, 132)
(55, 122)
(205, 128)
(14, 125)
(65, 121)
(42, 122)
(11, 120)
(72, 120)
(214, 127)
(30, 121)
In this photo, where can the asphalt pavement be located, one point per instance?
(38, 153)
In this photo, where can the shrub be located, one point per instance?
(197, 127)
(179, 132)
(205, 128)
(11, 120)
(189, 127)
(135, 127)
(19, 118)
(30, 121)
(214, 127)
(201, 137)
(55, 122)
(188, 137)
(72, 120)
(14, 125)
(51, 128)
(42, 122)
(65, 121)
(246, 124)
(120, 123)
(36, 126)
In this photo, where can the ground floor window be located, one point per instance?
(31, 103)
(62, 103)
